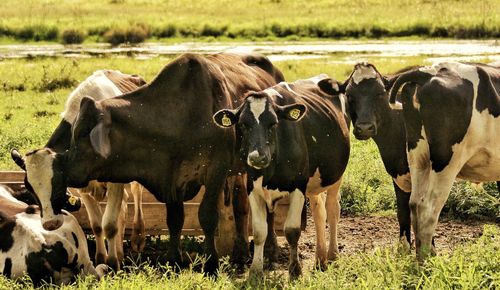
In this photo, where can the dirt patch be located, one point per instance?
(356, 234)
(366, 233)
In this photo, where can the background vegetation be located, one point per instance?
(118, 21)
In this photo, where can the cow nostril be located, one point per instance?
(52, 225)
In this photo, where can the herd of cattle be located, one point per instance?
(206, 120)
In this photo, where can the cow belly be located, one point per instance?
(482, 167)
(270, 196)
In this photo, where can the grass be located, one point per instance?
(474, 265)
(28, 20)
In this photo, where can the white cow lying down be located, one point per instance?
(26, 248)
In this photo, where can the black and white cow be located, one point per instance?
(452, 130)
(101, 85)
(50, 256)
(367, 92)
(294, 141)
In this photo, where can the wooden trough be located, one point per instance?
(155, 213)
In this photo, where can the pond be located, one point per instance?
(466, 50)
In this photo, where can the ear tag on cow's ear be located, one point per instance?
(226, 121)
(72, 200)
(294, 114)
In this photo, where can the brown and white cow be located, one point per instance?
(26, 248)
(452, 130)
(294, 141)
(101, 85)
(160, 135)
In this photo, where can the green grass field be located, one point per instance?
(33, 93)
(127, 20)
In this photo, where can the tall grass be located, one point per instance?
(41, 20)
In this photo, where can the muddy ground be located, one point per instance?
(366, 233)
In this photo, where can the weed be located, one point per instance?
(72, 36)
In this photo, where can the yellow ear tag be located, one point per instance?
(72, 200)
(226, 122)
(294, 114)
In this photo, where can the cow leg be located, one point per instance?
(121, 223)
(110, 221)
(208, 216)
(95, 217)
(292, 231)
(271, 248)
(241, 210)
(259, 227)
(426, 206)
(403, 207)
(138, 240)
(175, 222)
(333, 217)
(317, 202)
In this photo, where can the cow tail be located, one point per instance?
(415, 76)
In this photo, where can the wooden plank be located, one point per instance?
(154, 211)
(11, 176)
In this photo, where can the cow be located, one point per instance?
(452, 130)
(294, 142)
(366, 91)
(160, 135)
(101, 85)
(45, 256)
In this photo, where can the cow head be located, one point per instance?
(28, 196)
(256, 121)
(367, 98)
(45, 179)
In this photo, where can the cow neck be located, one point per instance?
(391, 142)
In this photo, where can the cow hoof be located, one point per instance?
(321, 265)
(211, 266)
(174, 259)
(255, 274)
(102, 269)
(333, 256)
(294, 270)
(100, 259)
(138, 242)
(241, 252)
(113, 263)
(404, 247)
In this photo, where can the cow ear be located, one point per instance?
(293, 112)
(18, 158)
(86, 120)
(331, 87)
(226, 118)
(99, 138)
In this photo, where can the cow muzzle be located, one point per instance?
(52, 224)
(364, 131)
(257, 160)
